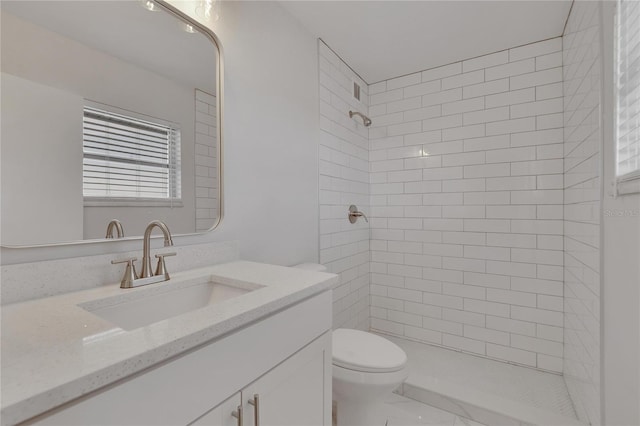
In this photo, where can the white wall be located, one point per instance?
(582, 199)
(344, 180)
(38, 202)
(621, 272)
(466, 205)
(270, 130)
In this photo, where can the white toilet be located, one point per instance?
(366, 369)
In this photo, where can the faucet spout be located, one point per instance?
(117, 225)
(147, 271)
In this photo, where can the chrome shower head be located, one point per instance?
(366, 120)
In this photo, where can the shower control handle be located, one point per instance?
(354, 214)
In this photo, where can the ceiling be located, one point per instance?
(155, 41)
(386, 39)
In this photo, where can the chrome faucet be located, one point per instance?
(146, 249)
(131, 279)
(117, 225)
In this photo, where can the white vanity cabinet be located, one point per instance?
(284, 358)
(293, 393)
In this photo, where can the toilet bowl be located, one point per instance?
(366, 369)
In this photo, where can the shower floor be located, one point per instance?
(484, 390)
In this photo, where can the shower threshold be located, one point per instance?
(487, 391)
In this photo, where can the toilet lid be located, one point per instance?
(362, 351)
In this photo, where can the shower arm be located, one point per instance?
(366, 120)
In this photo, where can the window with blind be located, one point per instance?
(628, 91)
(129, 160)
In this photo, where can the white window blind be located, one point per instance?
(129, 158)
(628, 90)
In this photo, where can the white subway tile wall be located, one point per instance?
(344, 180)
(582, 80)
(206, 158)
(466, 165)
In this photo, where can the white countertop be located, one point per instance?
(54, 351)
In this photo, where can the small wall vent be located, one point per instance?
(356, 90)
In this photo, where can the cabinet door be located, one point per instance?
(221, 415)
(295, 393)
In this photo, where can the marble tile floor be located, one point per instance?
(401, 411)
(485, 390)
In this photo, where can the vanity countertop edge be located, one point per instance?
(54, 351)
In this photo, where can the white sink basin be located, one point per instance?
(165, 300)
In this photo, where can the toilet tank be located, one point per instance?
(311, 267)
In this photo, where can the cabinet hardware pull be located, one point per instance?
(238, 415)
(256, 411)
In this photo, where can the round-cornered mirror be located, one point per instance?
(111, 118)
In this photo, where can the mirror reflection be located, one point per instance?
(109, 121)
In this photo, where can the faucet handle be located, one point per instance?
(127, 260)
(161, 255)
(161, 268)
(129, 273)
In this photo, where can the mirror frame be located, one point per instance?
(207, 32)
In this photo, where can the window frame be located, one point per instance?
(176, 168)
(628, 183)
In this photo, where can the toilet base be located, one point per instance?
(360, 395)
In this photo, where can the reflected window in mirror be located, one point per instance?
(129, 159)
